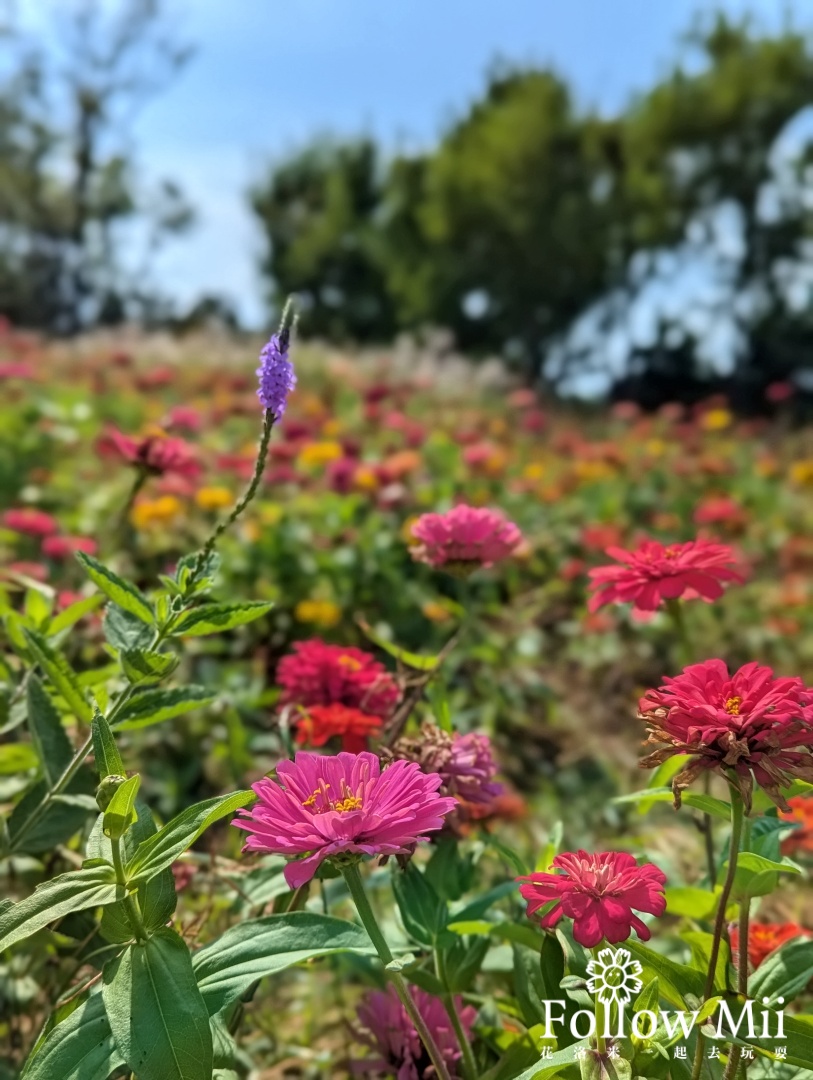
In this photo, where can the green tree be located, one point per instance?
(68, 183)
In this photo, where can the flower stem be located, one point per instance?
(365, 912)
(450, 1003)
(737, 819)
(130, 902)
(601, 1045)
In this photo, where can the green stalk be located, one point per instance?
(130, 901)
(450, 1004)
(365, 912)
(737, 819)
(601, 1044)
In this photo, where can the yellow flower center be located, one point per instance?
(732, 706)
(322, 803)
(350, 663)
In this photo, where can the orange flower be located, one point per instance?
(321, 723)
(763, 939)
(800, 814)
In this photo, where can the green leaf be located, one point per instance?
(161, 850)
(80, 1047)
(785, 973)
(157, 1015)
(691, 903)
(552, 1066)
(125, 631)
(60, 673)
(215, 618)
(153, 706)
(144, 666)
(410, 659)
(105, 751)
(758, 876)
(677, 981)
(37, 605)
(64, 816)
(75, 891)
(72, 614)
(503, 931)
(17, 757)
(53, 745)
(121, 592)
(706, 803)
(799, 1042)
(120, 813)
(423, 913)
(259, 947)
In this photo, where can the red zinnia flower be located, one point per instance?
(763, 939)
(654, 573)
(465, 538)
(157, 454)
(321, 723)
(799, 812)
(600, 893)
(30, 522)
(62, 547)
(319, 674)
(752, 724)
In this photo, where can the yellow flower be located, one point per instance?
(331, 429)
(319, 453)
(656, 447)
(801, 472)
(590, 471)
(406, 530)
(321, 612)
(150, 512)
(716, 420)
(214, 498)
(534, 470)
(435, 611)
(365, 479)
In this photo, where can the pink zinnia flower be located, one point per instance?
(157, 454)
(30, 522)
(385, 1027)
(751, 724)
(654, 573)
(322, 806)
(316, 673)
(600, 893)
(62, 547)
(464, 538)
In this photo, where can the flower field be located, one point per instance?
(452, 734)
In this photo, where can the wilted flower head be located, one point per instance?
(318, 724)
(276, 375)
(464, 539)
(653, 573)
(322, 807)
(600, 893)
(156, 453)
(465, 762)
(751, 724)
(316, 673)
(385, 1027)
(764, 939)
(30, 522)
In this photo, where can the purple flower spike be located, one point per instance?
(276, 375)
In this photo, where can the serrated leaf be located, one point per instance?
(216, 618)
(105, 751)
(60, 673)
(76, 891)
(157, 1015)
(125, 631)
(161, 850)
(144, 666)
(153, 706)
(52, 744)
(120, 591)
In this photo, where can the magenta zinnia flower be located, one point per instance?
(62, 547)
(316, 673)
(653, 573)
(156, 454)
(464, 538)
(386, 1028)
(751, 724)
(30, 522)
(323, 806)
(600, 893)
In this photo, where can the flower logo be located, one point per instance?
(614, 976)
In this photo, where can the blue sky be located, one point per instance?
(270, 74)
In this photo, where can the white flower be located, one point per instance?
(614, 976)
